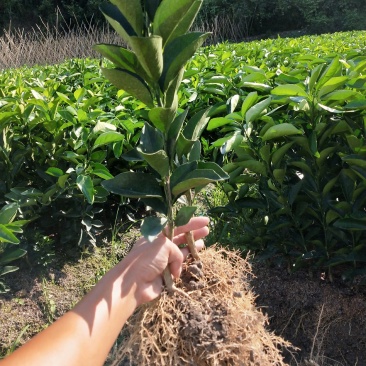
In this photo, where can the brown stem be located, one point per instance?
(169, 234)
(192, 246)
(189, 236)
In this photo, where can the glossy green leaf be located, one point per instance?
(151, 140)
(118, 21)
(85, 184)
(120, 56)
(257, 110)
(161, 118)
(196, 125)
(149, 52)
(177, 53)
(8, 213)
(184, 215)
(7, 269)
(290, 90)
(158, 160)
(174, 18)
(218, 122)
(249, 101)
(101, 171)
(131, 83)
(331, 85)
(174, 132)
(7, 235)
(55, 172)
(134, 185)
(10, 255)
(108, 138)
(132, 11)
(341, 95)
(281, 130)
(350, 224)
(278, 155)
(152, 226)
(199, 177)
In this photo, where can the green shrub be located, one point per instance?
(299, 138)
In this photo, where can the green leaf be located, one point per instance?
(161, 118)
(174, 131)
(107, 138)
(218, 122)
(151, 140)
(158, 160)
(290, 90)
(8, 213)
(181, 172)
(152, 226)
(350, 224)
(131, 83)
(177, 53)
(55, 172)
(101, 171)
(10, 255)
(341, 95)
(85, 184)
(157, 204)
(315, 75)
(118, 21)
(283, 129)
(254, 112)
(357, 160)
(331, 85)
(134, 185)
(149, 52)
(198, 177)
(195, 153)
(7, 235)
(7, 269)
(232, 103)
(253, 165)
(196, 125)
(174, 18)
(249, 101)
(334, 69)
(120, 56)
(184, 215)
(132, 11)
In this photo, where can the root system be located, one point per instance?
(217, 324)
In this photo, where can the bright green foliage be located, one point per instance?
(299, 138)
(61, 122)
(153, 73)
(9, 251)
(58, 127)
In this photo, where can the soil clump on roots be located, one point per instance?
(217, 323)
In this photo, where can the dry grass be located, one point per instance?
(49, 44)
(46, 44)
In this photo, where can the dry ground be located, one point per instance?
(326, 320)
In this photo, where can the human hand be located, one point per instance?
(147, 261)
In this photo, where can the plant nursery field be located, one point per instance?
(287, 123)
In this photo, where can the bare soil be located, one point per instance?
(327, 321)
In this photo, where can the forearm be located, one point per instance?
(84, 335)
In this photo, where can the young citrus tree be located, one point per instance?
(151, 70)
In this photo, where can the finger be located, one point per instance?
(197, 234)
(199, 245)
(175, 260)
(194, 224)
